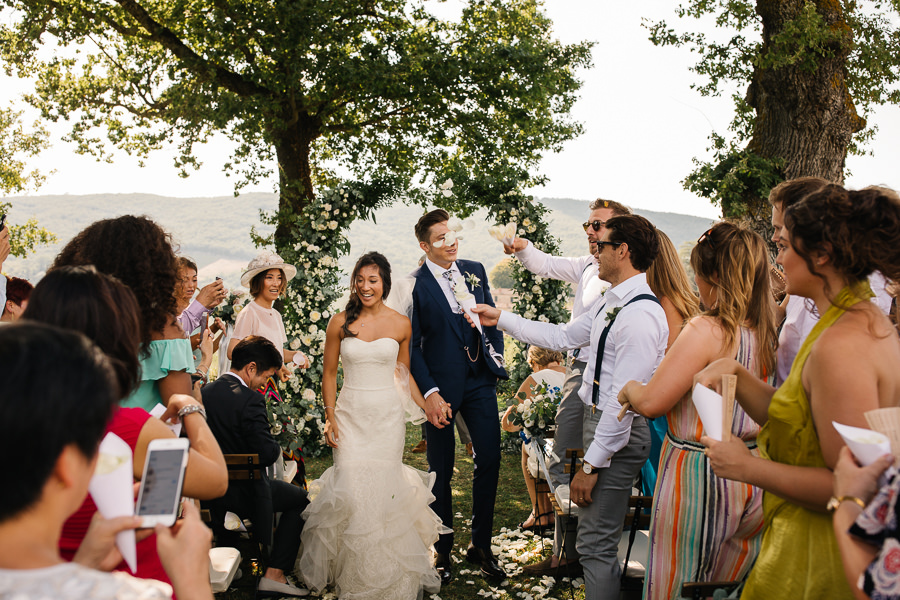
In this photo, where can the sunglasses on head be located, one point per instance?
(595, 225)
(707, 237)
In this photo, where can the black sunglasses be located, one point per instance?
(707, 237)
(595, 225)
(601, 243)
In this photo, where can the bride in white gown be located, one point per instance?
(369, 529)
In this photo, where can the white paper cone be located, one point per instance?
(866, 445)
(709, 406)
(158, 412)
(113, 491)
(467, 305)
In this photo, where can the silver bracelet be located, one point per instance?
(190, 409)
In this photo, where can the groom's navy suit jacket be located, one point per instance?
(438, 350)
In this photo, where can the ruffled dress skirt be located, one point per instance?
(369, 530)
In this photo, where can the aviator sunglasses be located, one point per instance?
(595, 225)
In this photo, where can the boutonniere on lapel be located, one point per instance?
(611, 315)
(473, 280)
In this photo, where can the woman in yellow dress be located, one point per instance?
(831, 241)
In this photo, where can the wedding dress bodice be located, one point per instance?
(369, 365)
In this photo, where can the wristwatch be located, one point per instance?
(587, 467)
(835, 502)
(189, 409)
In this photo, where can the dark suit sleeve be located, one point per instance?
(417, 365)
(256, 429)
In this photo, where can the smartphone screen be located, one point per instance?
(161, 484)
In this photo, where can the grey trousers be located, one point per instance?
(569, 419)
(600, 523)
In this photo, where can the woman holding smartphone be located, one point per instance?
(105, 310)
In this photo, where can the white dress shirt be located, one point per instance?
(635, 346)
(438, 273)
(580, 270)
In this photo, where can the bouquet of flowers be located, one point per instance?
(537, 415)
(233, 304)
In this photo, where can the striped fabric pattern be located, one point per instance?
(703, 528)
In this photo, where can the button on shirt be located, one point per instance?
(579, 270)
(634, 348)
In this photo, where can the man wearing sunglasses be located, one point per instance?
(582, 272)
(626, 334)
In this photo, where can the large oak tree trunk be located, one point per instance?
(292, 148)
(804, 116)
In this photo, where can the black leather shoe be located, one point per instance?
(442, 565)
(485, 559)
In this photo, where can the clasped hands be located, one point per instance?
(437, 411)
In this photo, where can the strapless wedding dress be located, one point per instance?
(368, 528)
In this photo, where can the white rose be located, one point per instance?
(536, 289)
(332, 225)
(295, 344)
(520, 409)
(313, 328)
(327, 207)
(276, 428)
(314, 316)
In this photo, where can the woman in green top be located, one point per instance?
(831, 241)
(139, 253)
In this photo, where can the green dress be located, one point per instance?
(164, 356)
(799, 558)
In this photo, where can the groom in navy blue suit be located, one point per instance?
(457, 369)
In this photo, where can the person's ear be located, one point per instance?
(70, 466)
(425, 246)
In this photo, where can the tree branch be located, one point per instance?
(168, 40)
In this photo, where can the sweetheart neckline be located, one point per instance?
(370, 341)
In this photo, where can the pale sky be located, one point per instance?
(642, 126)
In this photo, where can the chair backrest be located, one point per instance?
(243, 467)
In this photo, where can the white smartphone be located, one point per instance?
(161, 484)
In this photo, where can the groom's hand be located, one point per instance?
(489, 314)
(437, 411)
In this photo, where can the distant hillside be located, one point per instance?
(215, 232)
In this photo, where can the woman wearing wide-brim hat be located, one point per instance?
(267, 276)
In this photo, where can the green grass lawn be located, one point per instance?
(512, 507)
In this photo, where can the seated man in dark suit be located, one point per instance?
(237, 417)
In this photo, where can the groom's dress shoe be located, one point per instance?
(442, 564)
(269, 587)
(485, 559)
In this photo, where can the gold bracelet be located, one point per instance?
(835, 502)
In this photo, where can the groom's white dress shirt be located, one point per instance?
(580, 270)
(635, 346)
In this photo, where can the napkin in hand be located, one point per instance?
(112, 490)
(866, 445)
(711, 410)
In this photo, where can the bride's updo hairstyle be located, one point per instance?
(354, 305)
(859, 230)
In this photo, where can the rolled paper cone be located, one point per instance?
(887, 421)
(709, 406)
(112, 490)
(467, 305)
(865, 444)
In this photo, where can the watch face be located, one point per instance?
(587, 468)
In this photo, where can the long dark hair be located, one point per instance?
(354, 305)
(97, 305)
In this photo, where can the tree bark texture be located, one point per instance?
(804, 116)
(292, 149)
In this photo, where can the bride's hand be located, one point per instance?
(331, 433)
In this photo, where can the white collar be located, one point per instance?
(623, 288)
(439, 271)
(238, 377)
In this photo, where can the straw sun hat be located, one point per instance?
(265, 261)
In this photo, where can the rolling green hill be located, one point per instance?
(215, 232)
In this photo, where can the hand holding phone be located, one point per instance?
(161, 483)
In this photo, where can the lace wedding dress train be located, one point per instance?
(369, 529)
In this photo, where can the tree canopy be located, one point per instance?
(807, 74)
(380, 89)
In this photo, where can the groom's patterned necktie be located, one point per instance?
(448, 275)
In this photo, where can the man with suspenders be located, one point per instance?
(626, 335)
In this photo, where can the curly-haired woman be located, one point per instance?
(139, 253)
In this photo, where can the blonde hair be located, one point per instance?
(667, 278)
(734, 260)
(544, 356)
